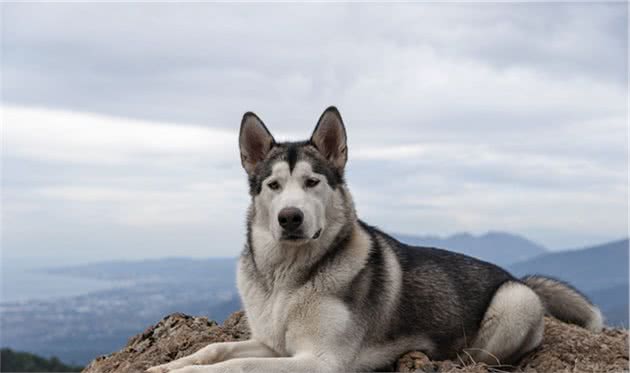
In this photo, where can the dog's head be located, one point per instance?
(297, 187)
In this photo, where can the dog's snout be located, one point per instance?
(290, 218)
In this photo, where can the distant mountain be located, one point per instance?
(601, 272)
(614, 304)
(592, 268)
(496, 247)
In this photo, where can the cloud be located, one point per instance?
(66, 174)
(120, 120)
(54, 135)
(207, 63)
(122, 182)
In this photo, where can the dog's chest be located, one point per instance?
(269, 315)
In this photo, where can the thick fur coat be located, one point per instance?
(324, 291)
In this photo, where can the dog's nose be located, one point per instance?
(290, 218)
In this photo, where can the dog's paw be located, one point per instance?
(157, 369)
(194, 369)
(164, 368)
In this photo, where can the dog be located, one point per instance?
(325, 292)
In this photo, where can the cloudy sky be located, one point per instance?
(120, 121)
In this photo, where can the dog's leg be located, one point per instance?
(303, 363)
(217, 352)
(512, 326)
(321, 337)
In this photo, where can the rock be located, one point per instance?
(415, 361)
(175, 336)
(565, 348)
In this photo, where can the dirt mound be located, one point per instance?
(565, 348)
(175, 336)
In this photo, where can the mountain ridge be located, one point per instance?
(579, 266)
(601, 272)
(493, 246)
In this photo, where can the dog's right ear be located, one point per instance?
(329, 138)
(254, 141)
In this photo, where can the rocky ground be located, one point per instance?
(566, 348)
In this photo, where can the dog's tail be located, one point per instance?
(565, 303)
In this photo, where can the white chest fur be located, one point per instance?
(286, 317)
(268, 313)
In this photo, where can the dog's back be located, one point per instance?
(442, 296)
(445, 295)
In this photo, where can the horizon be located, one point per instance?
(37, 263)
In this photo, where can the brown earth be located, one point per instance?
(565, 348)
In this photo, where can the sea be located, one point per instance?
(25, 279)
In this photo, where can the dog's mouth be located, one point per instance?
(297, 237)
(317, 234)
(293, 237)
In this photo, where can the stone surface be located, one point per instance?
(565, 348)
(175, 336)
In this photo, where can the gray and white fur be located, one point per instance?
(324, 291)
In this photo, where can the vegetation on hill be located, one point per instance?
(13, 361)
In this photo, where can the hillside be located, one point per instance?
(614, 303)
(589, 268)
(13, 361)
(565, 348)
(496, 247)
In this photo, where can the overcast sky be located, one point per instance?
(120, 121)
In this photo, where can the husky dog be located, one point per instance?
(324, 291)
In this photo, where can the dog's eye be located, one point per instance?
(309, 183)
(274, 185)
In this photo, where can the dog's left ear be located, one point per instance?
(329, 137)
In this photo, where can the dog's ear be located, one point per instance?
(254, 141)
(329, 137)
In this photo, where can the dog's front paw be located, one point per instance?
(195, 369)
(158, 369)
(166, 368)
